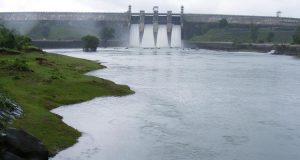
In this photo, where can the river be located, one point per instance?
(189, 105)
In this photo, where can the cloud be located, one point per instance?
(251, 7)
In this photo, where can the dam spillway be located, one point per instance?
(148, 37)
(155, 30)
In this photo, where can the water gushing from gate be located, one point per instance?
(148, 37)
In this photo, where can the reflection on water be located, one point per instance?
(189, 105)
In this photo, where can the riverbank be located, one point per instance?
(280, 49)
(40, 82)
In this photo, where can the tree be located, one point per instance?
(296, 36)
(107, 34)
(270, 37)
(223, 23)
(7, 38)
(254, 32)
(90, 43)
(10, 39)
(22, 42)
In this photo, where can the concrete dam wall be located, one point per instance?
(62, 16)
(237, 19)
(71, 26)
(123, 17)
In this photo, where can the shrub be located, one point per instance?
(7, 38)
(10, 39)
(90, 43)
(23, 42)
(20, 65)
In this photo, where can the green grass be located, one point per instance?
(56, 81)
(231, 35)
(222, 35)
(64, 33)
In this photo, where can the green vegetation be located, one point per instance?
(65, 33)
(90, 43)
(270, 37)
(19, 65)
(107, 34)
(7, 38)
(296, 36)
(243, 35)
(254, 31)
(40, 82)
(54, 30)
(11, 40)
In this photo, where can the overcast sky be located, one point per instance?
(290, 8)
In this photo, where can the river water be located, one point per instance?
(189, 105)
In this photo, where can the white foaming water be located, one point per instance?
(148, 37)
(176, 36)
(134, 40)
(162, 37)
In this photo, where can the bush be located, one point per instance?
(90, 43)
(23, 42)
(7, 38)
(10, 39)
(20, 65)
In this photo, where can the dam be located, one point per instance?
(132, 29)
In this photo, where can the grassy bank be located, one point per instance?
(243, 36)
(45, 81)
